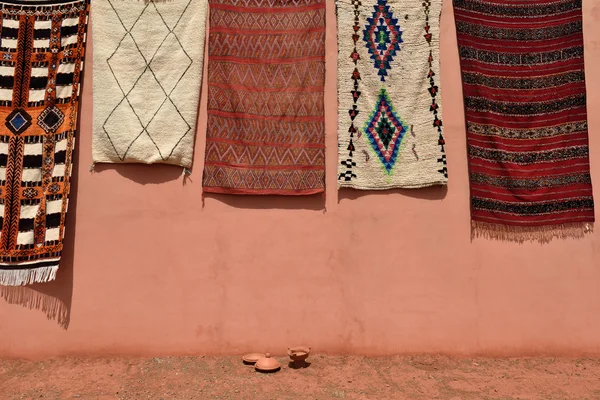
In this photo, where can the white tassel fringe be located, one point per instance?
(19, 277)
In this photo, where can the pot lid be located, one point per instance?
(252, 357)
(267, 363)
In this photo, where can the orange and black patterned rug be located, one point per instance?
(41, 59)
(266, 77)
(525, 102)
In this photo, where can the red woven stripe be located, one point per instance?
(267, 10)
(553, 187)
(265, 107)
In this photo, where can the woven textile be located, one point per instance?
(390, 121)
(42, 50)
(147, 76)
(525, 101)
(266, 76)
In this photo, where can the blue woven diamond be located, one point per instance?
(18, 121)
(383, 36)
(385, 131)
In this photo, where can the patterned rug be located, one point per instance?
(266, 74)
(525, 100)
(42, 50)
(147, 74)
(390, 122)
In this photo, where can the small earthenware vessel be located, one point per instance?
(252, 358)
(298, 354)
(267, 364)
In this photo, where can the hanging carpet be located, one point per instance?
(147, 74)
(266, 82)
(525, 101)
(42, 50)
(390, 115)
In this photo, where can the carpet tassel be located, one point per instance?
(520, 234)
(185, 174)
(19, 277)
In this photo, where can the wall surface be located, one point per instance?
(148, 270)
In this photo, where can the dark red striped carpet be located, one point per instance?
(525, 103)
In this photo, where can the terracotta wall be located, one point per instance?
(149, 271)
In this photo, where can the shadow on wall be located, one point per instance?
(429, 193)
(145, 174)
(314, 202)
(53, 298)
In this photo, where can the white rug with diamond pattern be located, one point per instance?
(148, 59)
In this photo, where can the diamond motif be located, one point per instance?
(385, 131)
(383, 36)
(30, 193)
(147, 73)
(54, 188)
(51, 119)
(18, 121)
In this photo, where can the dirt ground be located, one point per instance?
(327, 377)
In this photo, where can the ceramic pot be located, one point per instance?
(267, 364)
(298, 354)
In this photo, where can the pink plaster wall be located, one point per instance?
(149, 271)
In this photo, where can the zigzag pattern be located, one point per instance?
(255, 130)
(256, 157)
(309, 104)
(267, 3)
(241, 154)
(268, 46)
(275, 21)
(262, 180)
(310, 73)
(12, 203)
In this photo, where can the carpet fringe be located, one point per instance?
(19, 277)
(520, 234)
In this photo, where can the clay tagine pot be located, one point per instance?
(299, 354)
(252, 358)
(267, 364)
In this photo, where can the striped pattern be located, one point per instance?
(266, 76)
(525, 100)
(42, 49)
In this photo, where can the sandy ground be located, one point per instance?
(326, 377)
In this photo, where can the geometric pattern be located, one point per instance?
(526, 114)
(277, 45)
(433, 91)
(146, 72)
(276, 76)
(266, 104)
(18, 121)
(383, 37)
(309, 19)
(260, 155)
(347, 172)
(51, 119)
(248, 180)
(389, 104)
(266, 76)
(42, 47)
(385, 131)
